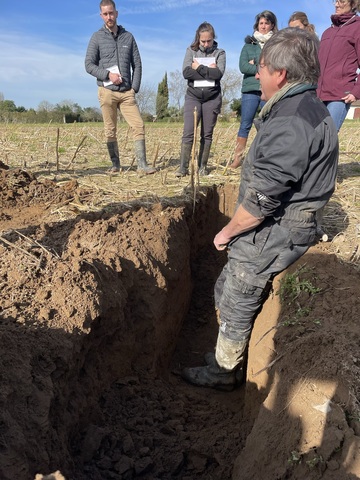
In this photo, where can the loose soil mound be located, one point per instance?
(93, 339)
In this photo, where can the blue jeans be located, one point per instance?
(249, 105)
(338, 110)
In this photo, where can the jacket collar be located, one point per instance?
(340, 20)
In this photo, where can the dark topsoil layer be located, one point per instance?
(93, 339)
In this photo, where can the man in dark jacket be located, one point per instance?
(114, 59)
(288, 175)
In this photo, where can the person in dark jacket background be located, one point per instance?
(265, 26)
(339, 56)
(203, 67)
(287, 176)
(113, 58)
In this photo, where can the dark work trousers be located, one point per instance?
(207, 112)
(254, 258)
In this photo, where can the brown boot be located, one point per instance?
(239, 152)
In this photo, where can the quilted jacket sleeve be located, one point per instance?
(92, 59)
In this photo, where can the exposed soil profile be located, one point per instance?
(100, 313)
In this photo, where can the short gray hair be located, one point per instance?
(295, 51)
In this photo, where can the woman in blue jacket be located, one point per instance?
(264, 27)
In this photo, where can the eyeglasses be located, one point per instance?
(259, 66)
(340, 2)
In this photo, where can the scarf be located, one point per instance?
(340, 20)
(208, 50)
(262, 39)
(275, 98)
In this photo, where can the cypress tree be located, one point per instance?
(162, 98)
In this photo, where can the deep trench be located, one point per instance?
(147, 422)
(101, 311)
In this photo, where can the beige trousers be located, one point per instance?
(110, 102)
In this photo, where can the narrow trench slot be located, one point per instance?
(153, 424)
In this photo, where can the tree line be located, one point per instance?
(164, 103)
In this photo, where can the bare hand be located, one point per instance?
(221, 241)
(115, 78)
(349, 98)
(195, 64)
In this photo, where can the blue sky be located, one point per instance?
(43, 44)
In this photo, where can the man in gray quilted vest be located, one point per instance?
(113, 58)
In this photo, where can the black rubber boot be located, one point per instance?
(210, 359)
(113, 150)
(185, 155)
(140, 155)
(204, 154)
(220, 372)
(212, 376)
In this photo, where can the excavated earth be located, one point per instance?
(99, 313)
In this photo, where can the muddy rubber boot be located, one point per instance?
(220, 373)
(204, 154)
(239, 152)
(210, 359)
(113, 150)
(185, 155)
(212, 376)
(140, 155)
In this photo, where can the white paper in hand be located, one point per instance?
(205, 61)
(113, 69)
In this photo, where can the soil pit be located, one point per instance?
(99, 314)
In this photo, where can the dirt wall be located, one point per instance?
(100, 313)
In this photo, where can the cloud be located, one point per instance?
(34, 70)
(25, 56)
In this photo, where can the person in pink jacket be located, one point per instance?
(339, 56)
